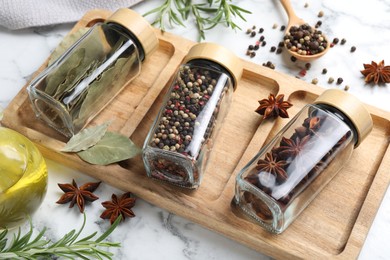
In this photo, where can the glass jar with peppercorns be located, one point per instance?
(178, 145)
(289, 172)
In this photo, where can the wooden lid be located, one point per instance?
(351, 107)
(138, 26)
(219, 55)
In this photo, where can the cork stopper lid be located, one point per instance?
(219, 55)
(138, 26)
(351, 107)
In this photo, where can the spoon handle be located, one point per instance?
(292, 17)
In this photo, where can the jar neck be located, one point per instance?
(133, 37)
(208, 64)
(340, 115)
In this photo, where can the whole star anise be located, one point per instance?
(290, 148)
(272, 165)
(273, 106)
(376, 72)
(76, 195)
(118, 206)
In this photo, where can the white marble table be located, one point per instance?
(154, 232)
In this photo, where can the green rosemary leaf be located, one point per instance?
(207, 15)
(67, 247)
(109, 231)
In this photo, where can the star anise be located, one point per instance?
(118, 206)
(273, 106)
(274, 166)
(376, 72)
(76, 195)
(290, 148)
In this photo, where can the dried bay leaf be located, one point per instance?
(86, 138)
(66, 43)
(113, 147)
(59, 76)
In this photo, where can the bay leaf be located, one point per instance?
(67, 42)
(113, 147)
(86, 138)
(59, 75)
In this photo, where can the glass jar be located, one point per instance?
(177, 147)
(23, 179)
(289, 172)
(79, 84)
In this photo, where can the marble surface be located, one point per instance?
(154, 232)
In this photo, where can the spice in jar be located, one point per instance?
(288, 173)
(178, 145)
(70, 92)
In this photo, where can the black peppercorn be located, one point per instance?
(256, 47)
(253, 34)
(339, 81)
(293, 59)
(353, 49)
(273, 48)
(279, 50)
(261, 30)
(343, 41)
(336, 40)
(250, 47)
(324, 71)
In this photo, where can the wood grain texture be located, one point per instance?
(333, 226)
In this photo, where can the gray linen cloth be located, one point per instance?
(18, 14)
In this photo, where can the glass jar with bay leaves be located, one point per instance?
(292, 169)
(72, 90)
(177, 147)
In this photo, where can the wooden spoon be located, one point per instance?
(293, 19)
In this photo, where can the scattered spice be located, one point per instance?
(293, 58)
(353, 49)
(306, 5)
(272, 49)
(261, 30)
(261, 38)
(324, 71)
(302, 73)
(253, 54)
(346, 88)
(256, 47)
(321, 14)
(314, 81)
(76, 195)
(253, 34)
(274, 26)
(343, 41)
(308, 65)
(269, 65)
(279, 50)
(248, 31)
(282, 28)
(273, 106)
(251, 47)
(118, 206)
(377, 72)
(336, 40)
(318, 24)
(330, 80)
(339, 81)
(263, 43)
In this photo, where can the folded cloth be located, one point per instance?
(18, 14)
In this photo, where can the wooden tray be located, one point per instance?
(334, 225)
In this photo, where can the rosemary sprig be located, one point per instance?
(206, 15)
(27, 247)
